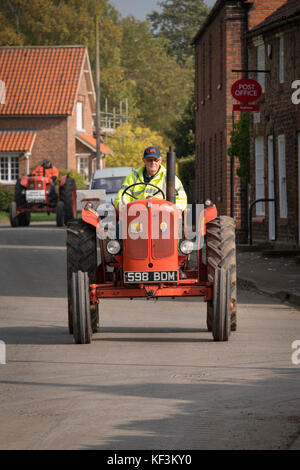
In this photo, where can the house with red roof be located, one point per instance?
(47, 108)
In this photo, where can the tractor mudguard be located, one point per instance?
(90, 217)
(210, 213)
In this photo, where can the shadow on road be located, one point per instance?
(60, 335)
(203, 411)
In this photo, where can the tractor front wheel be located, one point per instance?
(82, 328)
(13, 214)
(221, 306)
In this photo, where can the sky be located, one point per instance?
(141, 8)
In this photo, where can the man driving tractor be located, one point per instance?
(50, 171)
(152, 172)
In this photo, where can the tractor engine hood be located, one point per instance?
(150, 237)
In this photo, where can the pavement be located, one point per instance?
(275, 273)
(272, 272)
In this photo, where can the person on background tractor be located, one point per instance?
(50, 171)
(151, 172)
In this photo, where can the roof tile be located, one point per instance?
(40, 80)
(16, 141)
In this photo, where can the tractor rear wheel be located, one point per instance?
(14, 222)
(81, 256)
(60, 214)
(82, 328)
(68, 196)
(221, 305)
(24, 219)
(221, 253)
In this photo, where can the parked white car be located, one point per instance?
(111, 180)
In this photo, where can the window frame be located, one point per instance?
(79, 116)
(283, 206)
(281, 60)
(260, 174)
(261, 64)
(9, 172)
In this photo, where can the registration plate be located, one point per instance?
(36, 195)
(151, 276)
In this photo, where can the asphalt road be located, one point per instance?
(152, 379)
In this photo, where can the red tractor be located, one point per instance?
(32, 194)
(156, 264)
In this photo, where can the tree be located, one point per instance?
(160, 86)
(182, 132)
(128, 144)
(240, 146)
(178, 22)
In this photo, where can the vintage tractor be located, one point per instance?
(32, 194)
(150, 262)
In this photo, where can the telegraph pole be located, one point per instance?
(97, 89)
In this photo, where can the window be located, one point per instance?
(83, 166)
(9, 168)
(281, 59)
(210, 67)
(259, 175)
(79, 117)
(203, 73)
(261, 65)
(282, 177)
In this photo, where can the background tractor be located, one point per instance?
(154, 265)
(32, 194)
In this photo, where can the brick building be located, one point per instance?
(220, 48)
(275, 131)
(46, 110)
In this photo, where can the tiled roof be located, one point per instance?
(40, 80)
(16, 141)
(287, 10)
(90, 141)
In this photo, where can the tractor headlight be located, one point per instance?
(186, 247)
(113, 247)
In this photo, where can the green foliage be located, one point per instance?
(178, 22)
(129, 143)
(155, 72)
(240, 146)
(186, 171)
(159, 85)
(7, 195)
(182, 133)
(79, 179)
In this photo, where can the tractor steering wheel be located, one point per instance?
(138, 184)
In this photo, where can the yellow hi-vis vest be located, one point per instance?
(144, 191)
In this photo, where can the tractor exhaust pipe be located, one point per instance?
(171, 166)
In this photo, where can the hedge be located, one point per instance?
(79, 179)
(7, 195)
(186, 172)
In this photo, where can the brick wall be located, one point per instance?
(219, 50)
(279, 115)
(50, 142)
(260, 9)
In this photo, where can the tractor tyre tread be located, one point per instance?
(81, 256)
(221, 253)
(66, 195)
